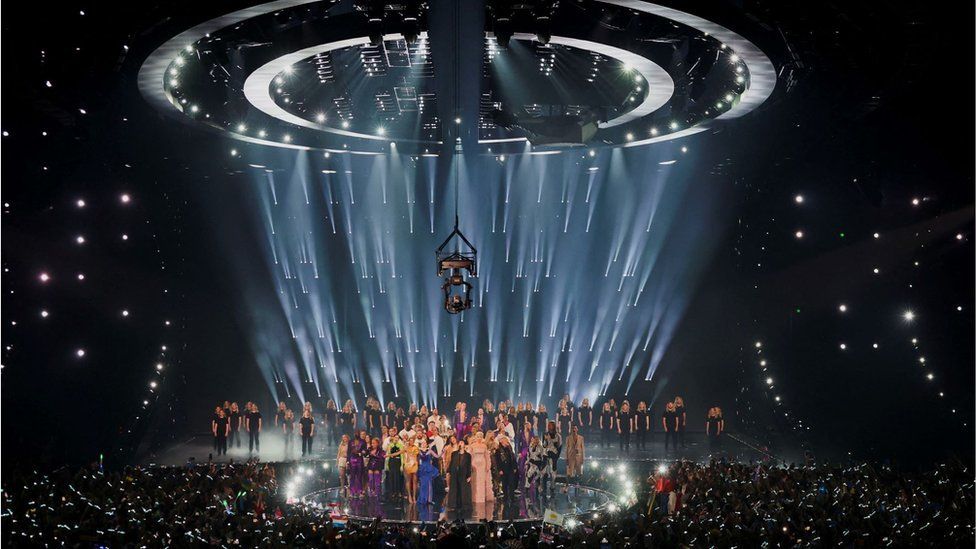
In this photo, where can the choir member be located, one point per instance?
(679, 408)
(642, 425)
(584, 417)
(306, 429)
(221, 430)
(607, 424)
(714, 426)
(236, 420)
(552, 445)
(253, 424)
(331, 420)
(287, 427)
(625, 425)
(669, 420)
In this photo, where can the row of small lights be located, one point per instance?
(769, 383)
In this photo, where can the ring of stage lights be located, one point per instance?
(579, 500)
(259, 85)
(160, 83)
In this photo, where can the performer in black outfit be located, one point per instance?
(374, 417)
(235, 425)
(213, 426)
(253, 424)
(459, 487)
(565, 420)
(389, 416)
(608, 425)
(642, 425)
(669, 420)
(221, 430)
(507, 465)
(679, 409)
(330, 419)
(307, 430)
(625, 424)
(584, 417)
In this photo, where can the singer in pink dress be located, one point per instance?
(480, 470)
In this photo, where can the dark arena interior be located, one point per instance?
(488, 273)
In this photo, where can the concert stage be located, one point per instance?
(574, 501)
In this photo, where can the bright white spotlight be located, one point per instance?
(662, 468)
(798, 199)
(320, 117)
(842, 308)
(769, 381)
(80, 353)
(125, 198)
(908, 316)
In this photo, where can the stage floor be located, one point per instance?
(200, 448)
(576, 500)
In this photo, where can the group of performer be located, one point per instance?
(609, 424)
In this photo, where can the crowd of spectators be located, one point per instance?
(683, 504)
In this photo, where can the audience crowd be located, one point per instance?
(681, 504)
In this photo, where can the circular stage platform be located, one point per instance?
(576, 500)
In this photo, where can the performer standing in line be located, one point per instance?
(507, 467)
(213, 426)
(459, 478)
(679, 408)
(535, 468)
(347, 420)
(330, 419)
(253, 424)
(575, 455)
(235, 425)
(552, 445)
(564, 420)
(542, 417)
(374, 418)
(642, 425)
(625, 425)
(570, 407)
(531, 418)
(522, 443)
(669, 420)
(280, 415)
(307, 429)
(375, 461)
(410, 466)
(394, 465)
(389, 417)
(584, 417)
(356, 468)
(461, 420)
(221, 430)
(342, 464)
(480, 470)
(490, 417)
(607, 424)
(287, 426)
(714, 426)
(426, 472)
